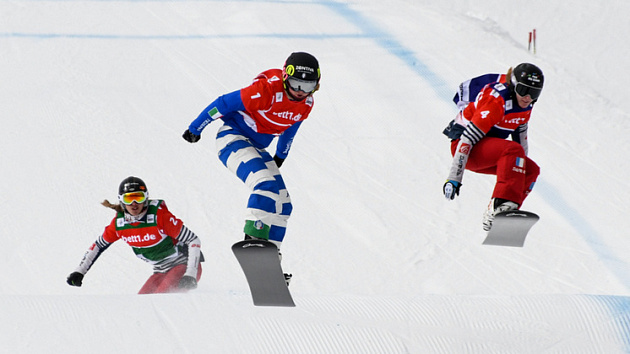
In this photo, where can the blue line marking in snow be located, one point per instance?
(389, 43)
(618, 308)
(367, 28)
(551, 196)
(176, 37)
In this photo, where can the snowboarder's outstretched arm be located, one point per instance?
(223, 105)
(91, 255)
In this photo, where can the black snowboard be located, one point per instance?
(261, 265)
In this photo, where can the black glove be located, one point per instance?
(190, 137)
(75, 279)
(278, 161)
(187, 282)
(451, 189)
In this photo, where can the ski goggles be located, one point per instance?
(129, 198)
(301, 85)
(524, 90)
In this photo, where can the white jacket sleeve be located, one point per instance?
(92, 254)
(468, 139)
(187, 237)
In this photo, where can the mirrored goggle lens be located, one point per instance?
(524, 90)
(138, 197)
(301, 85)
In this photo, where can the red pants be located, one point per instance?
(516, 173)
(167, 282)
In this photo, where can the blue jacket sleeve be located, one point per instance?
(285, 140)
(226, 104)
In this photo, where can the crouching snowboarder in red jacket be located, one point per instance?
(494, 107)
(155, 235)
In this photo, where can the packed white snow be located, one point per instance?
(94, 91)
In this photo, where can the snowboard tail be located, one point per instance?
(260, 262)
(510, 228)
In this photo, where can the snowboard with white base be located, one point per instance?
(510, 228)
(260, 262)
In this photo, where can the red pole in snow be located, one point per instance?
(534, 41)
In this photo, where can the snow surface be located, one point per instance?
(94, 91)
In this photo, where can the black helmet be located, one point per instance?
(132, 184)
(301, 72)
(527, 79)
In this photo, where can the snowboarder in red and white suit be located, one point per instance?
(155, 235)
(478, 136)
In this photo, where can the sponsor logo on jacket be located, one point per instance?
(139, 238)
(516, 120)
(288, 115)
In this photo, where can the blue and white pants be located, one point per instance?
(269, 205)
